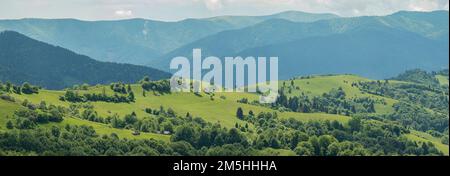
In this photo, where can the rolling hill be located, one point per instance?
(217, 110)
(23, 59)
(221, 110)
(322, 112)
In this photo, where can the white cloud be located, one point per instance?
(368, 7)
(340, 7)
(181, 9)
(123, 13)
(212, 5)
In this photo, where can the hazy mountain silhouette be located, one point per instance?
(136, 41)
(342, 45)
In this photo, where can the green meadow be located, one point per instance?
(424, 137)
(221, 109)
(443, 80)
(214, 108)
(8, 108)
(6, 112)
(318, 85)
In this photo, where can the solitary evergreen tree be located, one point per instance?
(131, 97)
(9, 125)
(8, 86)
(240, 113)
(129, 88)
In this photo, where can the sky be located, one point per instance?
(173, 10)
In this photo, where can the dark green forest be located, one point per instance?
(23, 59)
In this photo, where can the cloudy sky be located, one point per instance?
(172, 10)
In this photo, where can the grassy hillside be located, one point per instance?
(221, 108)
(7, 110)
(103, 129)
(318, 85)
(443, 80)
(424, 137)
(217, 110)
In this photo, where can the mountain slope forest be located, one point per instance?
(23, 59)
(329, 115)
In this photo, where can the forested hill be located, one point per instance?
(25, 59)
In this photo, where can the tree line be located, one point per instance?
(25, 88)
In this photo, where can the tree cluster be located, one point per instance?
(333, 102)
(26, 88)
(332, 138)
(162, 86)
(33, 115)
(75, 97)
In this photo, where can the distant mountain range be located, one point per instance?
(372, 46)
(376, 47)
(136, 41)
(23, 59)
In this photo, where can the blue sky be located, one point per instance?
(171, 10)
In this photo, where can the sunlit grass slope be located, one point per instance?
(7, 110)
(318, 85)
(424, 137)
(222, 108)
(443, 80)
(219, 109)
